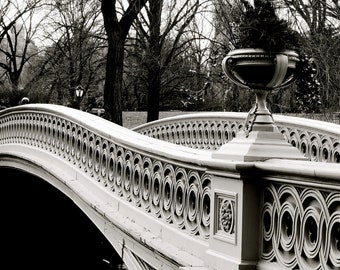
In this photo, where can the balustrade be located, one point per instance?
(199, 131)
(318, 141)
(272, 214)
(175, 193)
(300, 225)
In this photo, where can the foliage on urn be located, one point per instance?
(260, 27)
(265, 55)
(265, 59)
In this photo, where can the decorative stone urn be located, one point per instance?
(259, 69)
(261, 72)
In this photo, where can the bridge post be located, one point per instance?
(237, 196)
(235, 223)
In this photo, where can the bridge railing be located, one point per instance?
(164, 183)
(300, 216)
(317, 140)
(186, 208)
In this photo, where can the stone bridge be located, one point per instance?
(174, 194)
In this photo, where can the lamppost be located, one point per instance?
(79, 95)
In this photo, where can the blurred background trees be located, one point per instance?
(172, 55)
(17, 48)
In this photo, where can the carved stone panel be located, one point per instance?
(225, 216)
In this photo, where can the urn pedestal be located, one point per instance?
(261, 72)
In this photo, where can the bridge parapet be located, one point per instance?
(120, 161)
(317, 140)
(166, 206)
(162, 188)
(300, 216)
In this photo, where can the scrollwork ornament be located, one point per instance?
(307, 225)
(136, 179)
(119, 171)
(146, 184)
(111, 171)
(315, 148)
(127, 174)
(180, 191)
(205, 206)
(156, 187)
(336, 153)
(78, 147)
(193, 201)
(333, 234)
(167, 192)
(97, 156)
(104, 163)
(326, 149)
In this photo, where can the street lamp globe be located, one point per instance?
(79, 95)
(79, 91)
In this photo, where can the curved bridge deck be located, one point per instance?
(164, 205)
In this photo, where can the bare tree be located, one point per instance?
(161, 35)
(17, 47)
(76, 39)
(316, 15)
(319, 21)
(11, 11)
(117, 26)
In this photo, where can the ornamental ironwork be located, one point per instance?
(301, 227)
(210, 133)
(178, 195)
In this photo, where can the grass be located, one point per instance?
(133, 119)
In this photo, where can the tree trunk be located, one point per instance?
(113, 103)
(153, 93)
(116, 32)
(154, 58)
